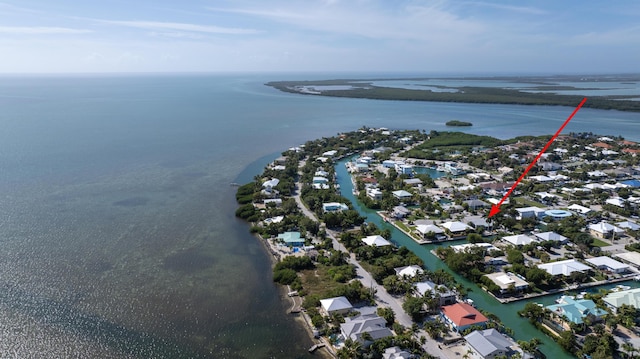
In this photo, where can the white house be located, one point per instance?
(376, 241)
(336, 305)
(565, 267)
(334, 207)
(551, 236)
(608, 264)
(605, 230)
(408, 271)
(456, 228)
(580, 209)
(374, 193)
(402, 195)
(519, 239)
(628, 225)
(529, 212)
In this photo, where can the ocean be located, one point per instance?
(117, 230)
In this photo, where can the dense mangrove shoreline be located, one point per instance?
(364, 88)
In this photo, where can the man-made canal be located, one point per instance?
(508, 313)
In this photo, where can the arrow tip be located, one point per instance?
(495, 209)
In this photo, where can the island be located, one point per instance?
(567, 232)
(456, 123)
(549, 91)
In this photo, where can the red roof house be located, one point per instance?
(461, 316)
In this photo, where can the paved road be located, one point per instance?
(382, 297)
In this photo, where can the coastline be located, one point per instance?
(300, 317)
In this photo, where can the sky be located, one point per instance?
(390, 36)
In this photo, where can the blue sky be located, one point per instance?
(52, 36)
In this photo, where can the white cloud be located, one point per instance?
(156, 25)
(513, 8)
(40, 30)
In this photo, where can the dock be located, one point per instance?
(316, 347)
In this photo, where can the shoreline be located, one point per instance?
(299, 317)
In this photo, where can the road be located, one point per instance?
(382, 297)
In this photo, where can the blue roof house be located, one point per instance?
(291, 239)
(576, 311)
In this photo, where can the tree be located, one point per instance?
(413, 307)
(388, 315)
(351, 349)
(567, 340)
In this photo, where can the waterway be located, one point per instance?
(508, 313)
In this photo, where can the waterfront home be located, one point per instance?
(334, 207)
(490, 343)
(408, 271)
(376, 241)
(576, 310)
(402, 195)
(456, 229)
(268, 187)
(630, 297)
(519, 239)
(487, 247)
(608, 264)
(404, 169)
(445, 295)
(462, 316)
(335, 305)
(551, 236)
(508, 281)
(291, 239)
(355, 327)
(430, 231)
(565, 267)
(330, 153)
(400, 212)
(632, 258)
(605, 230)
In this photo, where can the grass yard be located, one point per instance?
(528, 202)
(600, 243)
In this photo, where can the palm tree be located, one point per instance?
(351, 349)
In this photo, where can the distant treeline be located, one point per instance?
(466, 94)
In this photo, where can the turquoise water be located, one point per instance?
(523, 330)
(117, 230)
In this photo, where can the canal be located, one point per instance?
(522, 329)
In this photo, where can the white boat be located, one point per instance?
(637, 278)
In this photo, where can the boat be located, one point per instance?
(637, 278)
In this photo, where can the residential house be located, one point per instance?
(413, 182)
(334, 207)
(490, 343)
(530, 212)
(396, 353)
(426, 230)
(476, 203)
(565, 267)
(551, 236)
(576, 310)
(291, 239)
(374, 193)
(605, 230)
(355, 327)
(462, 316)
(519, 239)
(508, 281)
(376, 241)
(608, 264)
(580, 209)
(402, 195)
(630, 297)
(275, 201)
(446, 296)
(456, 229)
(408, 271)
(335, 305)
(400, 212)
(628, 225)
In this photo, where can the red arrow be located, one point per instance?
(496, 207)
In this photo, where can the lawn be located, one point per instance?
(527, 202)
(600, 243)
